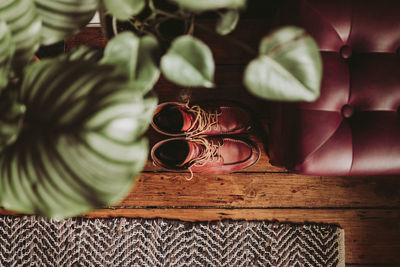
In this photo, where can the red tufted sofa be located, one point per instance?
(354, 127)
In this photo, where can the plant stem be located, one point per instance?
(246, 48)
(167, 14)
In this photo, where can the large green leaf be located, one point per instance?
(124, 9)
(62, 18)
(205, 5)
(136, 57)
(227, 22)
(81, 145)
(24, 24)
(288, 68)
(7, 49)
(189, 62)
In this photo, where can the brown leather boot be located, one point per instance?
(178, 119)
(206, 154)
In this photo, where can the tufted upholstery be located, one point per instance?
(354, 127)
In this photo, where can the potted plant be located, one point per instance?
(289, 54)
(155, 18)
(71, 127)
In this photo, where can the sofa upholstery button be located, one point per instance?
(346, 51)
(347, 111)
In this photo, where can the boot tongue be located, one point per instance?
(194, 152)
(187, 120)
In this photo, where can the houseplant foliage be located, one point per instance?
(81, 143)
(71, 127)
(287, 67)
(35, 22)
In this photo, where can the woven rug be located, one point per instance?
(35, 241)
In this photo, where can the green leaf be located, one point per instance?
(189, 62)
(11, 116)
(32, 22)
(288, 68)
(136, 58)
(84, 53)
(122, 51)
(124, 9)
(24, 24)
(206, 5)
(147, 71)
(62, 18)
(227, 22)
(7, 49)
(85, 150)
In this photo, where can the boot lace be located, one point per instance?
(209, 153)
(203, 120)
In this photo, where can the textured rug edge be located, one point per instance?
(37, 217)
(150, 242)
(308, 223)
(342, 248)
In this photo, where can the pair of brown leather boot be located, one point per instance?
(202, 138)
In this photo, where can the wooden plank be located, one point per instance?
(89, 36)
(371, 236)
(8, 212)
(228, 80)
(263, 190)
(229, 87)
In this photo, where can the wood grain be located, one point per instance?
(263, 190)
(229, 86)
(371, 236)
(92, 37)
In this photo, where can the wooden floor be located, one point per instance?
(368, 208)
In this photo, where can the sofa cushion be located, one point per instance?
(354, 127)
